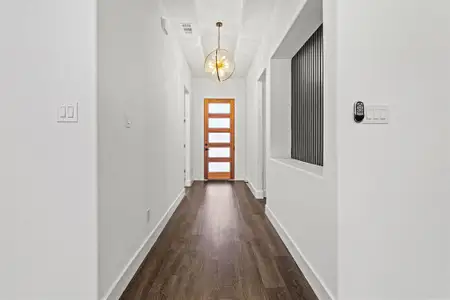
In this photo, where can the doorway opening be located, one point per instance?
(219, 138)
(262, 133)
(187, 139)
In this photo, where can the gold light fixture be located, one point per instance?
(220, 63)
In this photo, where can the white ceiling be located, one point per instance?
(245, 22)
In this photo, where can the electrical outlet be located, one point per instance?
(148, 215)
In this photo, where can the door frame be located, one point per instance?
(232, 131)
(262, 133)
(187, 138)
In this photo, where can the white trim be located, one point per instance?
(322, 292)
(258, 194)
(119, 286)
(188, 183)
(310, 169)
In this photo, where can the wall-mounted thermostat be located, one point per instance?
(370, 114)
(358, 112)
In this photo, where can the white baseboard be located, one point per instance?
(258, 194)
(188, 183)
(322, 292)
(127, 274)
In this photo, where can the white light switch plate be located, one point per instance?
(67, 113)
(376, 114)
(61, 113)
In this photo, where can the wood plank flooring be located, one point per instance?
(219, 245)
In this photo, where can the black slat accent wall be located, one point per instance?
(307, 101)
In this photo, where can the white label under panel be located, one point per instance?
(219, 167)
(219, 108)
(219, 152)
(219, 123)
(219, 137)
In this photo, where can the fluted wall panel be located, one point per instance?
(307, 101)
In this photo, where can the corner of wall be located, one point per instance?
(122, 281)
(318, 285)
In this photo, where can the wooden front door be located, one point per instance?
(219, 139)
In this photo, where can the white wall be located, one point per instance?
(280, 108)
(47, 170)
(394, 179)
(302, 198)
(207, 88)
(142, 75)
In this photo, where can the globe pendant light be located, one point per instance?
(219, 63)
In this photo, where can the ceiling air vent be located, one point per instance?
(186, 28)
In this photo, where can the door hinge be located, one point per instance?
(184, 145)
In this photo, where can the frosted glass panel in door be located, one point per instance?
(219, 152)
(219, 123)
(219, 137)
(219, 167)
(219, 108)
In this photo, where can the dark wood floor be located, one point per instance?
(219, 245)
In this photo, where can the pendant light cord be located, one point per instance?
(219, 24)
(218, 39)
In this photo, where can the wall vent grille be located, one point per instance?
(187, 28)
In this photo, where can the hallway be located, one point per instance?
(219, 245)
